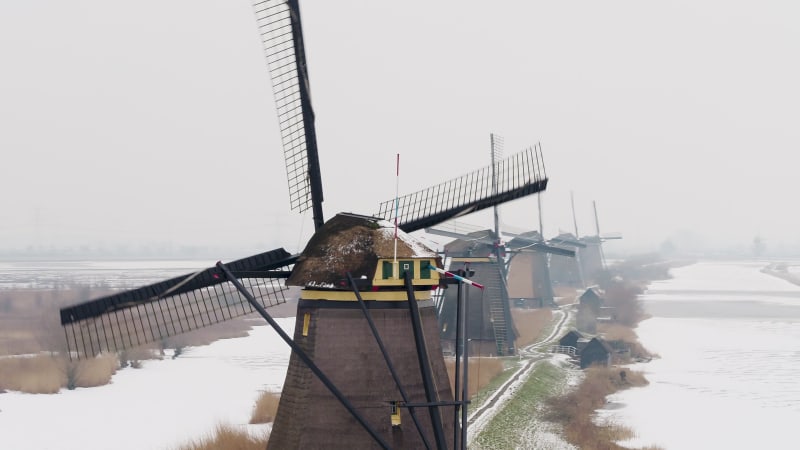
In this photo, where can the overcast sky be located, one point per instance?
(123, 123)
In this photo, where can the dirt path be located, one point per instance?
(532, 354)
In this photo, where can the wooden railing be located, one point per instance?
(566, 349)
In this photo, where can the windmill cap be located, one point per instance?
(352, 243)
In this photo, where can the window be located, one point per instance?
(407, 266)
(387, 270)
(425, 270)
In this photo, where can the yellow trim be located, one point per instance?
(306, 323)
(395, 280)
(395, 414)
(349, 296)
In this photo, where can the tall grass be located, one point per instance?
(623, 336)
(575, 410)
(95, 371)
(47, 374)
(34, 375)
(482, 371)
(30, 325)
(530, 324)
(265, 408)
(226, 437)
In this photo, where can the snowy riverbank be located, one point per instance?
(166, 403)
(728, 337)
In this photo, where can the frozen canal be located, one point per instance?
(729, 340)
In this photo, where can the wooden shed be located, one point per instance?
(570, 339)
(596, 352)
(591, 299)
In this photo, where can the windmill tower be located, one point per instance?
(366, 369)
(593, 259)
(567, 271)
(529, 278)
(490, 325)
(483, 253)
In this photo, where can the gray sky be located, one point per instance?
(153, 121)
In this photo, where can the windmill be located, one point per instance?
(593, 258)
(590, 259)
(566, 271)
(489, 321)
(529, 278)
(366, 368)
(482, 253)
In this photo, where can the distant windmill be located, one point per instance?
(366, 352)
(483, 253)
(592, 257)
(590, 260)
(529, 275)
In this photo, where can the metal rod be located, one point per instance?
(303, 356)
(465, 387)
(424, 365)
(386, 358)
(457, 393)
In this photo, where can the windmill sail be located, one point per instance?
(524, 243)
(281, 33)
(518, 175)
(175, 306)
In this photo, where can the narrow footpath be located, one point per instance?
(533, 354)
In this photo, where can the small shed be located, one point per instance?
(570, 339)
(591, 299)
(596, 352)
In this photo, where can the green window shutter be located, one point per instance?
(387, 270)
(407, 266)
(425, 270)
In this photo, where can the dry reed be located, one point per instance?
(265, 408)
(575, 410)
(95, 371)
(530, 324)
(47, 374)
(226, 437)
(42, 374)
(481, 371)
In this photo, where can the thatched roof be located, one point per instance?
(351, 243)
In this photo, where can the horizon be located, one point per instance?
(158, 126)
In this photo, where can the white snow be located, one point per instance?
(162, 405)
(727, 375)
(419, 249)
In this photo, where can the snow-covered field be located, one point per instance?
(160, 406)
(729, 340)
(113, 274)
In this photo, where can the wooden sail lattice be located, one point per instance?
(280, 32)
(516, 176)
(175, 306)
